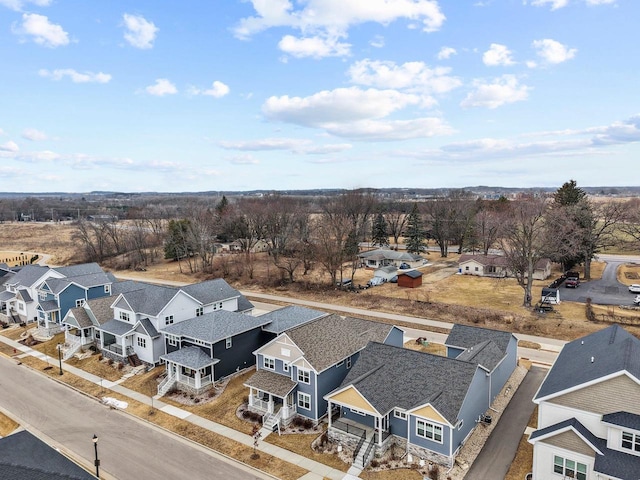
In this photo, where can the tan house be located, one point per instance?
(497, 266)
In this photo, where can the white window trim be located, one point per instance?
(434, 427)
(228, 342)
(358, 412)
(142, 342)
(271, 365)
(168, 320)
(635, 441)
(340, 363)
(172, 340)
(79, 302)
(308, 375)
(400, 413)
(348, 363)
(285, 366)
(107, 289)
(199, 311)
(564, 467)
(304, 399)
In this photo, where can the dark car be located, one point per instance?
(572, 282)
(404, 266)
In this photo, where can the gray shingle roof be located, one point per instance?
(244, 305)
(613, 350)
(48, 305)
(190, 357)
(466, 336)
(149, 328)
(25, 457)
(390, 377)
(126, 286)
(215, 326)
(116, 327)
(100, 309)
(6, 295)
(623, 419)
(330, 339)
(211, 291)
(383, 253)
(273, 383)
(289, 317)
(151, 299)
(411, 273)
(486, 354)
(80, 318)
(91, 279)
(24, 294)
(82, 269)
(28, 275)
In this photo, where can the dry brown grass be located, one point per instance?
(50, 347)
(98, 367)
(431, 347)
(527, 344)
(145, 383)
(629, 273)
(54, 239)
(223, 408)
(219, 443)
(522, 462)
(7, 425)
(301, 444)
(14, 333)
(397, 474)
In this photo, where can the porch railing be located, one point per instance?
(72, 347)
(191, 381)
(365, 457)
(351, 429)
(117, 349)
(259, 403)
(363, 438)
(166, 384)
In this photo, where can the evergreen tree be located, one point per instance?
(178, 243)
(380, 232)
(415, 236)
(568, 194)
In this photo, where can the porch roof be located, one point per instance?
(78, 317)
(116, 327)
(49, 305)
(273, 383)
(6, 295)
(190, 357)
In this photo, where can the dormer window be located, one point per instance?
(124, 316)
(199, 311)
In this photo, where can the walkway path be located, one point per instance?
(317, 470)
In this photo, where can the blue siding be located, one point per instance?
(503, 371)
(442, 448)
(68, 298)
(308, 389)
(329, 380)
(398, 426)
(395, 337)
(96, 292)
(366, 420)
(475, 403)
(453, 352)
(279, 366)
(240, 355)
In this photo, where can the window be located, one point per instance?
(227, 342)
(172, 340)
(199, 311)
(358, 412)
(400, 414)
(79, 302)
(142, 342)
(340, 363)
(304, 401)
(168, 320)
(107, 289)
(631, 441)
(42, 295)
(97, 334)
(466, 268)
(285, 366)
(569, 468)
(303, 376)
(429, 431)
(476, 269)
(269, 363)
(460, 424)
(124, 316)
(348, 362)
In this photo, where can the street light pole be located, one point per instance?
(97, 461)
(60, 357)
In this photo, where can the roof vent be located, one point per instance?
(582, 342)
(592, 359)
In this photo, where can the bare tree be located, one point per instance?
(396, 216)
(462, 212)
(439, 223)
(523, 241)
(488, 223)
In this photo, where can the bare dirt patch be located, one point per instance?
(54, 239)
(629, 273)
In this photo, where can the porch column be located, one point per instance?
(251, 396)
(379, 429)
(270, 406)
(198, 379)
(329, 409)
(124, 346)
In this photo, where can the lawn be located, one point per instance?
(145, 383)
(219, 443)
(523, 461)
(94, 365)
(300, 443)
(14, 333)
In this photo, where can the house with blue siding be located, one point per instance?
(426, 404)
(204, 349)
(300, 366)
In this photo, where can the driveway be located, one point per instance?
(605, 291)
(495, 458)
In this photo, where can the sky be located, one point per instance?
(152, 95)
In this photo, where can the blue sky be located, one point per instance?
(296, 94)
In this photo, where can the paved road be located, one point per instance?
(128, 448)
(606, 290)
(495, 458)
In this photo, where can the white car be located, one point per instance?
(375, 281)
(635, 288)
(636, 301)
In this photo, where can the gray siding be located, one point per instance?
(453, 352)
(240, 355)
(503, 371)
(395, 337)
(475, 403)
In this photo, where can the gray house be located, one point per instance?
(299, 367)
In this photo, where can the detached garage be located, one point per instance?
(410, 279)
(387, 272)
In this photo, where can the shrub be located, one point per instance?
(307, 424)
(374, 463)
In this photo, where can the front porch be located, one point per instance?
(114, 339)
(188, 369)
(272, 395)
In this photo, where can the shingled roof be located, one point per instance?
(215, 326)
(606, 352)
(390, 377)
(211, 291)
(330, 339)
(289, 317)
(483, 346)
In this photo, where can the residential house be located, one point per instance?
(300, 366)
(383, 257)
(204, 349)
(588, 410)
(386, 273)
(410, 279)
(426, 404)
(139, 315)
(25, 457)
(498, 266)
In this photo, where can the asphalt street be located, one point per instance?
(128, 448)
(495, 458)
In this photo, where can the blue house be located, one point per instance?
(300, 366)
(426, 404)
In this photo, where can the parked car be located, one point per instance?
(404, 266)
(572, 282)
(345, 283)
(636, 301)
(375, 281)
(635, 288)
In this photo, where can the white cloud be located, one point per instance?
(245, 159)
(556, 4)
(413, 76)
(553, 52)
(34, 135)
(18, 5)
(446, 53)
(140, 33)
(161, 88)
(330, 20)
(497, 55)
(294, 145)
(377, 41)
(42, 30)
(391, 130)
(316, 47)
(501, 91)
(217, 90)
(75, 76)
(9, 146)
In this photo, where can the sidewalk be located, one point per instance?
(317, 470)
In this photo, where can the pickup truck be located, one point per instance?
(572, 282)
